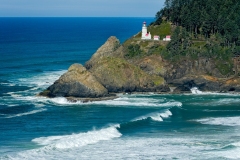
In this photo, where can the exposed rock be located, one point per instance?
(152, 65)
(118, 75)
(202, 66)
(106, 50)
(77, 82)
(231, 85)
(204, 83)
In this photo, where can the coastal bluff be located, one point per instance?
(104, 74)
(110, 70)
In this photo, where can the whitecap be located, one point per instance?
(7, 84)
(156, 116)
(79, 140)
(224, 121)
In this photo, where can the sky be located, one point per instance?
(80, 8)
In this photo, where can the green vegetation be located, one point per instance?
(134, 50)
(161, 30)
(198, 28)
(203, 29)
(204, 18)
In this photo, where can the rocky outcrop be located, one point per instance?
(231, 85)
(203, 83)
(106, 50)
(77, 82)
(109, 71)
(118, 75)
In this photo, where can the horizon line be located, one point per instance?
(74, 17)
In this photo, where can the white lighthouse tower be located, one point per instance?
(145, 33)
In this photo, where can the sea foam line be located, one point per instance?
(119, 102)
(27, 113)
(224, 121)
(79, 140)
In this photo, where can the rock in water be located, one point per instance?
(77, 82)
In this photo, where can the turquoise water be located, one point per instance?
(36, 51)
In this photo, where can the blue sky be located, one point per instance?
(80, 8)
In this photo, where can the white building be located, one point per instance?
(168, 38)
(145, 33)
(156, 38)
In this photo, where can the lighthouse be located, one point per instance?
(145, 33)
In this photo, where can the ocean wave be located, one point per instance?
(79, 140)
(224, 121)
(26, 113)
(7, 84)
(231, 146)
(155, 116)
(215, 110)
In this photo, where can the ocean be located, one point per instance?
(34, 52)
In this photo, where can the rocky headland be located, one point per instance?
(111, 70)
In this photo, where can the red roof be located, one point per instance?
(168, 36)
(144, 22)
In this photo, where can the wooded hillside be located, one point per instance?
(205, 18)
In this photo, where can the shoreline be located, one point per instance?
(113, 96)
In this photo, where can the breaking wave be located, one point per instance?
(79, 140)
(155, 116)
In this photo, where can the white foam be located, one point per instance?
(63, 101)
(155, 116)
(166, 114)
(224, 121)
(7, 84)
(161, 147)
(41, 80)
(195, 90)
(79, 140)
(122, 101)
(139, 102)
(27, 113)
